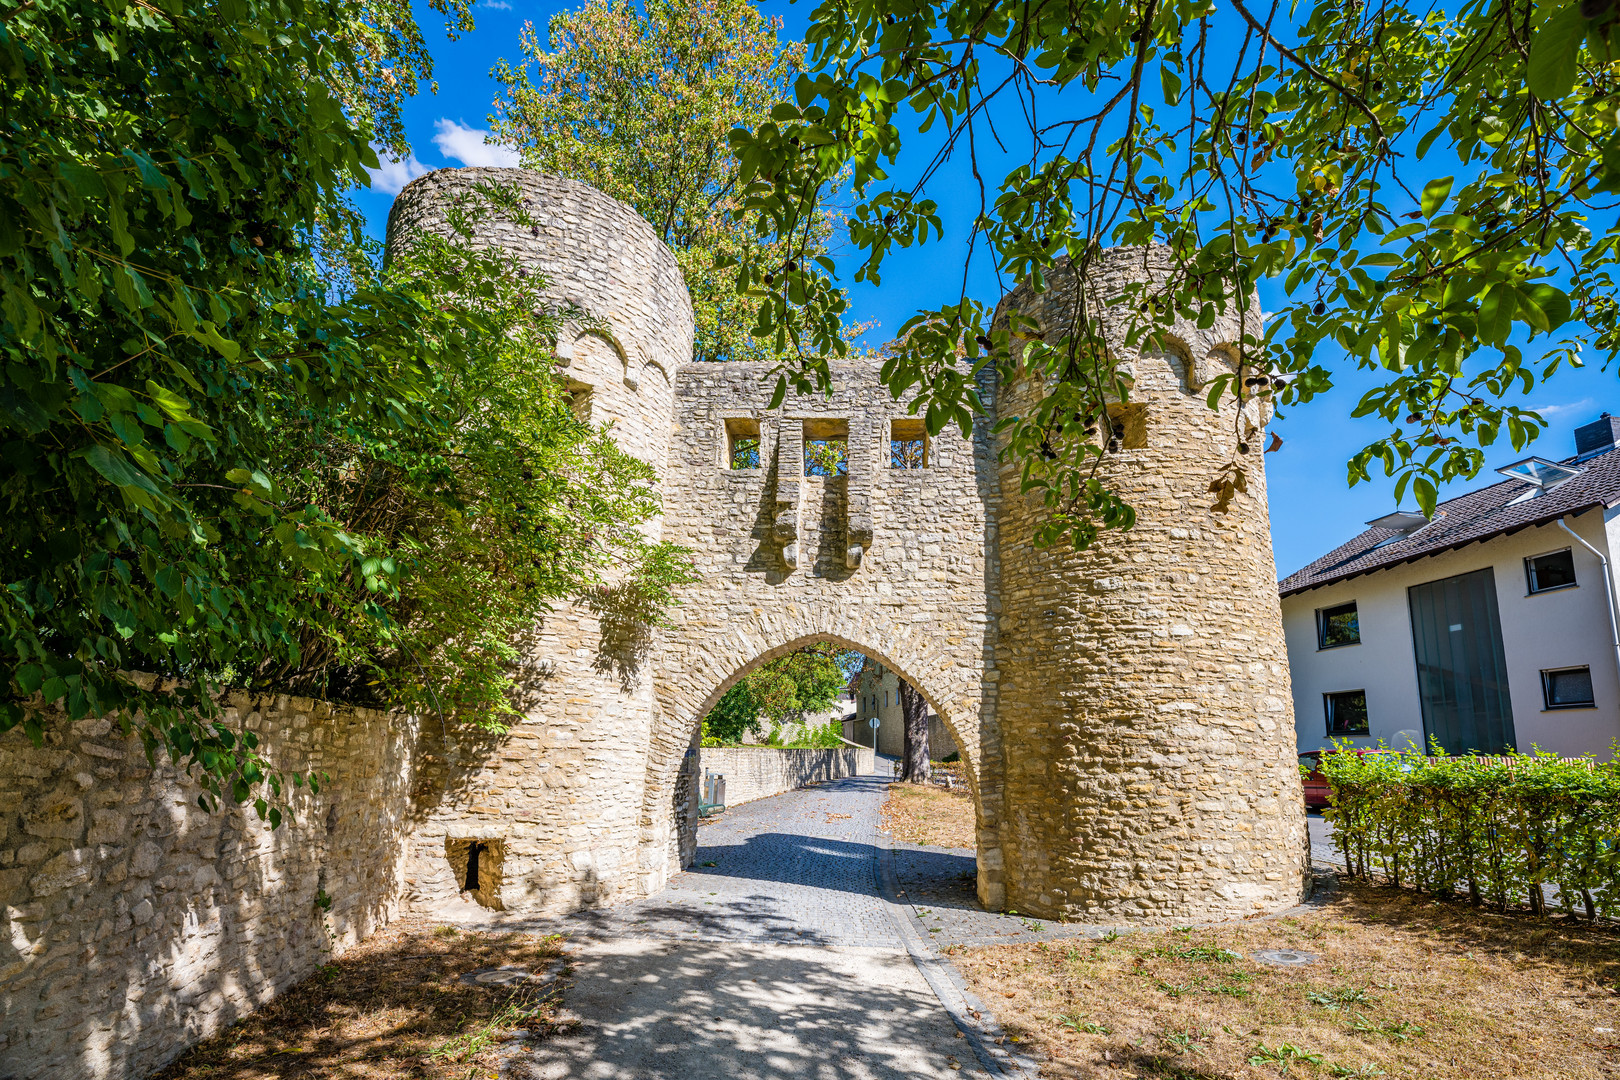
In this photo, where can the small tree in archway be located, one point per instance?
(780, 691)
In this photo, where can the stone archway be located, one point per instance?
(1124, 710)
(668, 800)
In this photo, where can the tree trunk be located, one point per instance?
(914, 710)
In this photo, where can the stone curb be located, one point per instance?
(948, 985)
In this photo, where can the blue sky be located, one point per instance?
(1312, 508)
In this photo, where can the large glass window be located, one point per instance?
(1567, 688)
(1346, 712)
(1337, 626)
(1554, 570)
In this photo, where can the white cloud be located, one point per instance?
(394, 174)
(496, 5)
(1550, 411)
(466, 145)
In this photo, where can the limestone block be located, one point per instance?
(59, 814)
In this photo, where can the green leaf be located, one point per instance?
(116, 469)
(1170, 83)
(1555, 54)
(1427, 496)
(1435, 193)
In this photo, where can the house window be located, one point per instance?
(1346, 712)
(742, 444)
(1554, 570)
(826, 447)
(1567, 688)
(1337, 626)
(908, 445)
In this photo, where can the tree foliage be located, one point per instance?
(780, 691)
(216, 469)
(1429, 189)
(639, 103)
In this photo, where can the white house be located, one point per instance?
(877, 697)
(1492, 626)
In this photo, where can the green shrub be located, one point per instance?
(1498, 828)
(828, 736)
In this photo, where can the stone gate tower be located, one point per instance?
(1144, 681)
(1123, 712)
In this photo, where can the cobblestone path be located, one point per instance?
(776, 954)
(797, 868)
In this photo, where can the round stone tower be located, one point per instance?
(553, 809)
(633, 322)
(1143, 694)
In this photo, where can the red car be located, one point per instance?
(1316, 785)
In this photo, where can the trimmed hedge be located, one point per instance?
(1496, 828)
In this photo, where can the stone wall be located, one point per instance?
(898, 563)
(1143, 767)
(757, 772)
(138, 923)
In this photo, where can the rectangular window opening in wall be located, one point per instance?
(742, 444)
(1346, 712)
(1568, 688)
(1127, 427)
(826, 447)
(579, 399)
(475, 864)
(1337, 625)
(1554, 570)
(908, 444)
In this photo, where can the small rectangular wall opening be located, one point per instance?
(476, 863)
(908, 444)
(579, 399)
(742, 443)
(1128, 427)
(826, 447)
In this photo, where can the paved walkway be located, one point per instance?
(781, 952)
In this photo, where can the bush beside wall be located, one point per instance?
(1495, 829)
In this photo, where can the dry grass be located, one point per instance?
(393, 1006)
(1405, 986)
(924, 814)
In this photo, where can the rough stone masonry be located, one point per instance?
(1123, 712)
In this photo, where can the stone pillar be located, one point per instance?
(562, 791)
(1144, 702)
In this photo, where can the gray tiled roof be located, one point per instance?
(1478, 515)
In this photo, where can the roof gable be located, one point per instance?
(1480, 515)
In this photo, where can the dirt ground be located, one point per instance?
(1402, 985)
(925, 814)
(392, 1006)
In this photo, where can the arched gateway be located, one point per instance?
(1124, 712)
